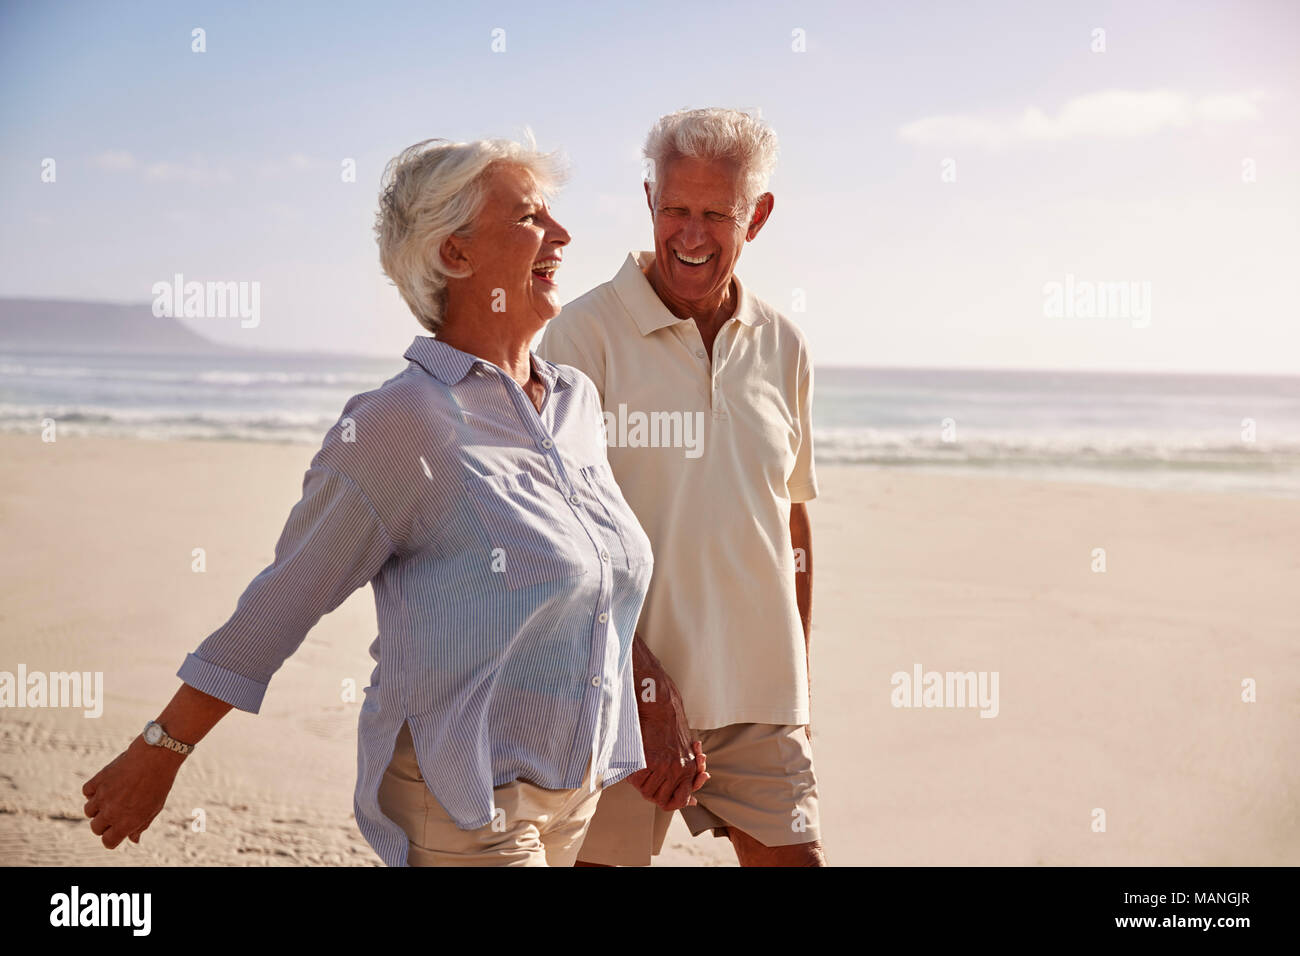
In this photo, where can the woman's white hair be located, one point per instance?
(432, 191)
(715, 133)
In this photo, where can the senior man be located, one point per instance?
(707, 394)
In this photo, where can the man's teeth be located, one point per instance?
(691, 260)
(546, 269)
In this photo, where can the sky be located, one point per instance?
(947, 170)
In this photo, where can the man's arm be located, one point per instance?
(675, 764)
(801, 541)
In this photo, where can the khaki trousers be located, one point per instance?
(532, 826)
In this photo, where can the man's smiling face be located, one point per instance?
(699, 226)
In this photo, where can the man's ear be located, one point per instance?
(762, 210)
(455, 257)
(649, 198)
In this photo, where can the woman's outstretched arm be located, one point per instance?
(333, 543)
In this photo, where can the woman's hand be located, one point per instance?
(123, 798)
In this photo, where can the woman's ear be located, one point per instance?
(455, 257)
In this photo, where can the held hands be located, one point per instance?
(675, 765)
(124, 797)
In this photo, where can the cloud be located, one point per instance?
(114, 159)
(293, 163)
(195, 171)
(1105, 114)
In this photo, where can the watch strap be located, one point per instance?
(166, 740)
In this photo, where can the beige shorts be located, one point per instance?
(534, 826)
(761, 781)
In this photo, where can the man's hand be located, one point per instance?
(124, 797)
(676, 765)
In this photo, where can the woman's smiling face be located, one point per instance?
(514, 249)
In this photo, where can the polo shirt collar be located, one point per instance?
(450, 365)
(648, 310)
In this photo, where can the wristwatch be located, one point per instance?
(155, 736)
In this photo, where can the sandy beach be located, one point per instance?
(1118, 690)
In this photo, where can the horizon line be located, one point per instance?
(826, 366)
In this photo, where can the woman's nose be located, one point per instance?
(557, 234)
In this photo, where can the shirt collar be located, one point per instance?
(450, 365)
(648, 310)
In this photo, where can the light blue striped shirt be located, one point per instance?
(508, 574)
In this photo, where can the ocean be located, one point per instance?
(1180, 432)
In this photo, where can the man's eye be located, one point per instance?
(529, 218)
(718, 216)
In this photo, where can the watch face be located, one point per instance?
(152, 734)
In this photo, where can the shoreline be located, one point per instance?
(1136, 477)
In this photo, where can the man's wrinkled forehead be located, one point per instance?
(686, 181)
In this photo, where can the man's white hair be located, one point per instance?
(712, 134)
(432, 191)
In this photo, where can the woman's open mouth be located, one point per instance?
(545, 269)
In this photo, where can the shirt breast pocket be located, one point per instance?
(613, 516)
(525, 524)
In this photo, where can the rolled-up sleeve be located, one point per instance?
(333, 542)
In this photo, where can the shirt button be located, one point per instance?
(573, 499)
(603, 617)
(595, 681)
(547, 443)
(604, 555)
(699, 353)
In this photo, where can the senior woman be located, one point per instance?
(472, 491)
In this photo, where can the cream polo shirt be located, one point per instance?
(710, 456)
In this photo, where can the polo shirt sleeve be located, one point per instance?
(802, 483)
(332, 543)
(564, 344)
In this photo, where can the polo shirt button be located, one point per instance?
(547, 443)
(573, 499)
(699, 353)
(604, 555)
(595, 681)
(603, 617)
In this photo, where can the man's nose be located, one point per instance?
(693, 232)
